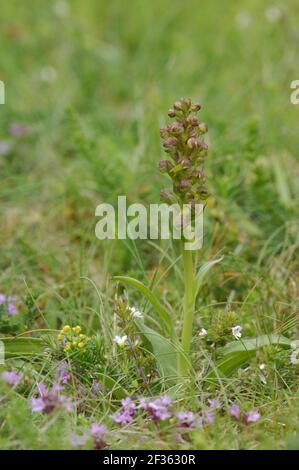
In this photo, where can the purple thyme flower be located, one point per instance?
(252, 417)
(98, 429)
(10, 304)
(12, 378)
(159, 408)
(98, 432)
(96, 386)
(127, 412)
(128, 405)
(208, 417)
(4, 147)
(57, 387)
(186, 419)
(11, 309)
(17, 129)
(79, 441)
(37, 405)
(122, 417)
(62, 373)
(234, 411)
(49, 400)
(142, 404)
(214, 403)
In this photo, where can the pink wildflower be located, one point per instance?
(252, 417)
(49, 400)
(12, 378)
(234, 411)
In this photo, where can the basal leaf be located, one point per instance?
(238, 353)
(252, 344)
(18, 347)
(163, 350)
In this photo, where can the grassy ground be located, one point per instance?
(93, 82)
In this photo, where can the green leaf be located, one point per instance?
(252, 344)
(117, 390)
(18, 347)
(203, 271)
(148, 294)
(163, 350)
(238, 353)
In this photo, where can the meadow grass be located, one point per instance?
(93, 82)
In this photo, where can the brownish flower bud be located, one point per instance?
(189, 197)
(164, 131)
(204, 146)
(192, 120)
(186, 103)
(199, 174)
(204, 193)
(171, 113)
(168, 196)
(170, 143)
(177, 128)
(165, 166)
(196, 107)
(185, 185)
(178, 106)
(194, 143)
(185, 161)
(202, 128)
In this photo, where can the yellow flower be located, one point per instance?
(60, 337)
(75, 344)
(66, 329)
(67, 347)
(77, 329)
(81, 344)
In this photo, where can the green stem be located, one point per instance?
(189, 307)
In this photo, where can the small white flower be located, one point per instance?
(236, 331)
(295, 353)
(135, 313)
(120, 340)
(272, 14)
(295, 357)
(203, 332)
(263, 379)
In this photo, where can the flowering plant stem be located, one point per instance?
(184, 143)
(188, 312)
